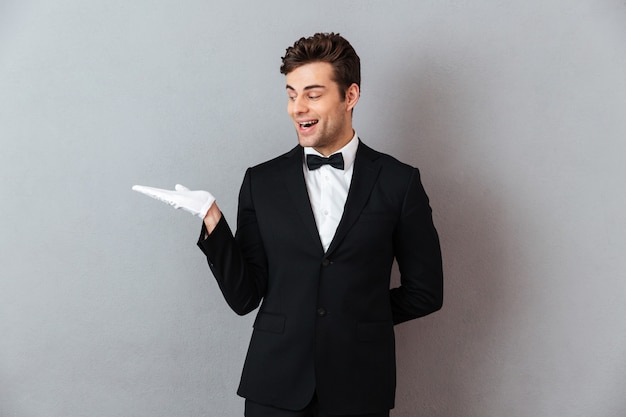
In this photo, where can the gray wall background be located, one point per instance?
(514, 112)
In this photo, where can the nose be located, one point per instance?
(298, 106)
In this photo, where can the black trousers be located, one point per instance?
(312, 410)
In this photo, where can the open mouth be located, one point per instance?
(307, 124)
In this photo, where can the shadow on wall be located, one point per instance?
(443, 359)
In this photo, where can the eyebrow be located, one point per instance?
(308, 87)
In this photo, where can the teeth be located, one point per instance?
(307, 124)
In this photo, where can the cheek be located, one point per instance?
(336, 115)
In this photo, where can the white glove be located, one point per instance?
(195, 202)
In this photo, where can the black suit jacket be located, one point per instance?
(326, 320)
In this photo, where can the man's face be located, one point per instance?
(323, 120)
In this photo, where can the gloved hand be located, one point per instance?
(195, 202)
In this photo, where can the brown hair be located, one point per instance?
(326, 47)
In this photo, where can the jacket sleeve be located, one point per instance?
(418, 253)
(238, 262)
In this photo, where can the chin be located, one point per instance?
(307, 142)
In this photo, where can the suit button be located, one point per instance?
(321, 312)
(326, 262)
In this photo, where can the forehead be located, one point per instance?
(312, 74)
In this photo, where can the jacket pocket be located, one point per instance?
(270, 322)
(368, 331)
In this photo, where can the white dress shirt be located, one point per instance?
(328, 189)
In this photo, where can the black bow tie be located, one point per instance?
(315, 161)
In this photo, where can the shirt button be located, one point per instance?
(321, 312)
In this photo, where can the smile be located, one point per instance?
(307, 124)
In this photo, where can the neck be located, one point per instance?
(345, 139)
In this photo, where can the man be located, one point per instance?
(318, 229)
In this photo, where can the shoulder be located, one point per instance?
(293, 156)
(389, 164)
(269, 173)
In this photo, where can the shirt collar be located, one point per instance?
(348, 151)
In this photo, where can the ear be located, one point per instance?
(352, 96)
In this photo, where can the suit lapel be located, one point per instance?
(366, 168)
(293, 175)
